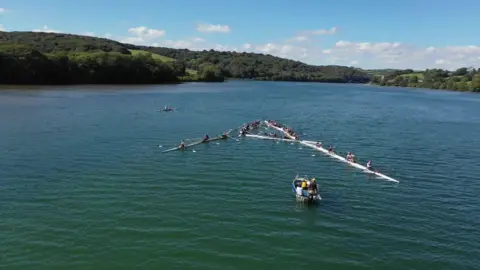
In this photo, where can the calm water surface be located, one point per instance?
(84, 185)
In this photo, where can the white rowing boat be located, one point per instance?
(353, 164)
(269, 138)
(279, 129)
(261, 137)
(333, 155)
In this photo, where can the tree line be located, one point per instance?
(462, 79)
(89, 53)
(262, 67)
(52, 58)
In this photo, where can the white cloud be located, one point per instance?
(192, 44)
(143, 35)
(145, 32)
(1, 28)
(399, 55)
(299, 39)
(247, 46)
(330, 31)
(91, 34)
(283, 50)
(134, 40)
(179, 44)
(3, 10)
(46, 29)
(306, 36)
(108, 35)
(210, 28)
(197, 39)
(354, 63)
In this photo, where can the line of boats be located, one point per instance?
(206, 139)
(306, 193)
(330, 152)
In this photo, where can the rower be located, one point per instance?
(182, 145)
(369, 165)
(224, 135)
(318, 144)
(166, 107)
(330, 148)
(206, 137)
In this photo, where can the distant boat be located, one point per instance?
(167, 109)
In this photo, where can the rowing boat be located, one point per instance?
(274, 139)
(353, 164)
(221, 137)
(269, 138)
(280, 129)
(333, 155)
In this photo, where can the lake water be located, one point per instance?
(84, 183)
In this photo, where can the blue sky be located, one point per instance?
(369, 33)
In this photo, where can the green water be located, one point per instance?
(84, 185)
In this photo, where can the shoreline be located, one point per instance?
(21, 87)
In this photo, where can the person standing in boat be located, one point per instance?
(313, 186)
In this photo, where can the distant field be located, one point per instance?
(154, 55)
(191, 71)
(162, 58)
(419, 75)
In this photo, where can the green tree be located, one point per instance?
(414, 79)
(476, 82)
(460, 72)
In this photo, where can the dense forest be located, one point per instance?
(462, 79)
(45, 58)
(262, 67)
(51, 58)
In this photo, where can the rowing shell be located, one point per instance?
(270, 138)
(353, 164)
(279, 129)
(274, 139)
(199, 142)
(331, 154)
